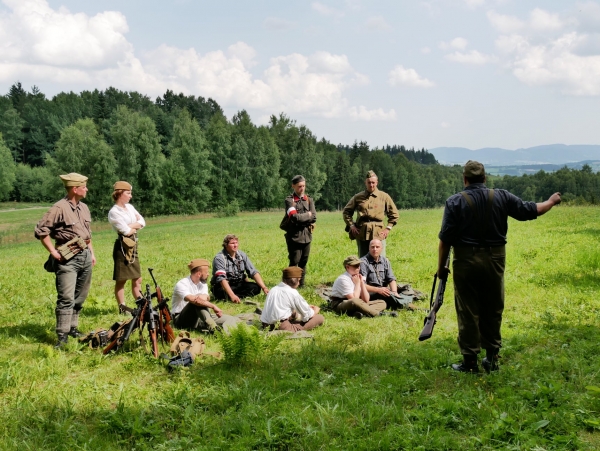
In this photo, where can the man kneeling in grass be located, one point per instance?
(349, 293)
(284, 305)
(191, 302)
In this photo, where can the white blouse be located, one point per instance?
(120, 218)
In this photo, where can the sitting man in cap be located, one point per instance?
(349, 292)
(380, 279)
(230, 268)
(284, 305)
(191, 302)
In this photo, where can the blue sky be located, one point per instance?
(471, 73)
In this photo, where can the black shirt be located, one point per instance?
(462, 227)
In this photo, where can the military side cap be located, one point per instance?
(198, 262)
(291, 272)
(122, 185)
(351, 260)
(73, 179)
(473, 169)
(371, 174)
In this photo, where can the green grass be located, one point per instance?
(358, 385)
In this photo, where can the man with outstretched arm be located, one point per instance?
(475, 225)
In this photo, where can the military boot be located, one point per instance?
(62, 340)
(63, 327)
(301, 285)
(490, 361)
(468, 365)
(74, 331)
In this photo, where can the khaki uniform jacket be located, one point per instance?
(297, 210)
(371, 210)
(65, 221)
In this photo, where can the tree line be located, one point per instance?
(183, 156)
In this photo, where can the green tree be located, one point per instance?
(7, 171)
(82, 149)
(11, 127)
(139, 158)
(189, 168)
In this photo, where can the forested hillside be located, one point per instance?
(183, 156)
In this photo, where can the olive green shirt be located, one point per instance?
(371, 208)
(65, 221)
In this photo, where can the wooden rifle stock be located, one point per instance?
(165, 330)
(434, 304)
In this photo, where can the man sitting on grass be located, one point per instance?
(284, 305)
(380, 279)
(191, 302)
(349, 293)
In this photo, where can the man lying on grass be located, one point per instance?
(284, 305)
(349, 293)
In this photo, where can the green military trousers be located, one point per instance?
(478, 274)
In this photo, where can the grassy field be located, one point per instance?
(361, 385)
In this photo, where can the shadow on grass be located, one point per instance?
(32, 331)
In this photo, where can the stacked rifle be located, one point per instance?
(156, 320)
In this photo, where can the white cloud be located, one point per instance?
(425, 50)
(474, 3)
(378, 23)
(409, 77)
(327, 10)
(362, 113)
(473, 57)
(541, 20)
(456, 43)
(553, 63)
(74, 49)
(445, 124)
(505, 24)
(277, 24)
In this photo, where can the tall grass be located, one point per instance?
(357, 385)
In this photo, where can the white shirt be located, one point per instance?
(185, 287)
(342, 286)
(281, 302)
(120, 218)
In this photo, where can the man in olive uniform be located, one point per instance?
(475, 225)
(301, 215)
(67, 219)
(371, 206)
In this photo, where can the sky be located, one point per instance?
(464, 73)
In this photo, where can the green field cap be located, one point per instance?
(473, 169)
(351, 260)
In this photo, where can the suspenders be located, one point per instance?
(482, 223)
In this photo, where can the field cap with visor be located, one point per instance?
(473, 169)
(351, 260)
(73, 179)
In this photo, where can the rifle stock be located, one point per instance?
(165, 331)
(435, 304)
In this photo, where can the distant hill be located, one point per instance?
(557, 154)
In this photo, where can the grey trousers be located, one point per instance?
(372, 308)
(73, 281)
(201, 318)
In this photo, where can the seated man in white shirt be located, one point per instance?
(284, 305)
(349, 292)
(191, 302)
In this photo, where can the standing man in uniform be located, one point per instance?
(372, 206)
(475, 224)
(301, 215)
(67, 219)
